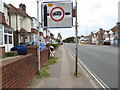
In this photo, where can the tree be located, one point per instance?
(69, 40)
(58, 40)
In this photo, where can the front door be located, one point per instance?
(8, 40)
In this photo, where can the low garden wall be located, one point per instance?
(2, 52)
(18, 71)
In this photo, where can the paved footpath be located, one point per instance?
(61, 74)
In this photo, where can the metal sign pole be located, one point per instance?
(38, 46)
(76, 30)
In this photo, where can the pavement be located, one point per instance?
(62, 74)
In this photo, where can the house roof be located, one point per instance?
(33, 30)
(6, 5)
(8, 27)
(115, 28)
(22, 30)
(14, 10)
(2, 21)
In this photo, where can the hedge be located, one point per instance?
(54, 45)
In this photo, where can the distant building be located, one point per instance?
(59, 37)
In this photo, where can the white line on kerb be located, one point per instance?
(102, 84)
(95, 86)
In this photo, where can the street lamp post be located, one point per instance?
(76, 30)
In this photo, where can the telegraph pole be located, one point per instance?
(76, 30)
(38, 39)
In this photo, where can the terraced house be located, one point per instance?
(34, 29)
(2, 23)
(6, 32)
(21, 22)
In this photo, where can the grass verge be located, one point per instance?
(44, 72)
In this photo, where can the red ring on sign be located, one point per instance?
(57, 19)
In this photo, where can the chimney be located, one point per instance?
(22, 6)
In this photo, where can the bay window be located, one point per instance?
(1, 34)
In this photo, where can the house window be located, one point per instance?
(32, 24)
(21, 38)
(9, 32)
(10, 39)
(5, 38)
(1, 38)
(21, 22)
(1, 34)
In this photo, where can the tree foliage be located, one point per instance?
(58, 40)
(69, 40)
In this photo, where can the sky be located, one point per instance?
(92, 15)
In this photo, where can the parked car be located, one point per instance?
(31, 43)
(61, 43)
(22, 49)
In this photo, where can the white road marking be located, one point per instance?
(102, 84)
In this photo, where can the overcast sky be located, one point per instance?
(92, 15)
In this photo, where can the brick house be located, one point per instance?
(101, 36)
(42, 35)
(96, 38)
(34, 30)
(107, 36)
(87, 39)
(20, 21)
(46, 34)
(81, 39)
(52, 39)
(8, 31)
(59, 37)
(116, 31)
(2, 47)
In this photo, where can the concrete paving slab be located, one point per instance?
(61, 74)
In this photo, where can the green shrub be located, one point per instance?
(11, 53)
(54, 45)
(21, 43)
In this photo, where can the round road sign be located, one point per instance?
(57, 14)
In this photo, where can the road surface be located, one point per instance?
(102, 60)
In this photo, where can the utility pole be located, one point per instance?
(76, 30)
(38, 39)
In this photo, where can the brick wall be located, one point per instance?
(2, 51)
(44, 54)
(17, 72)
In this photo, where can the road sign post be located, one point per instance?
(76, 30)
(38, 39)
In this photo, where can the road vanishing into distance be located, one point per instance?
(102, 60)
